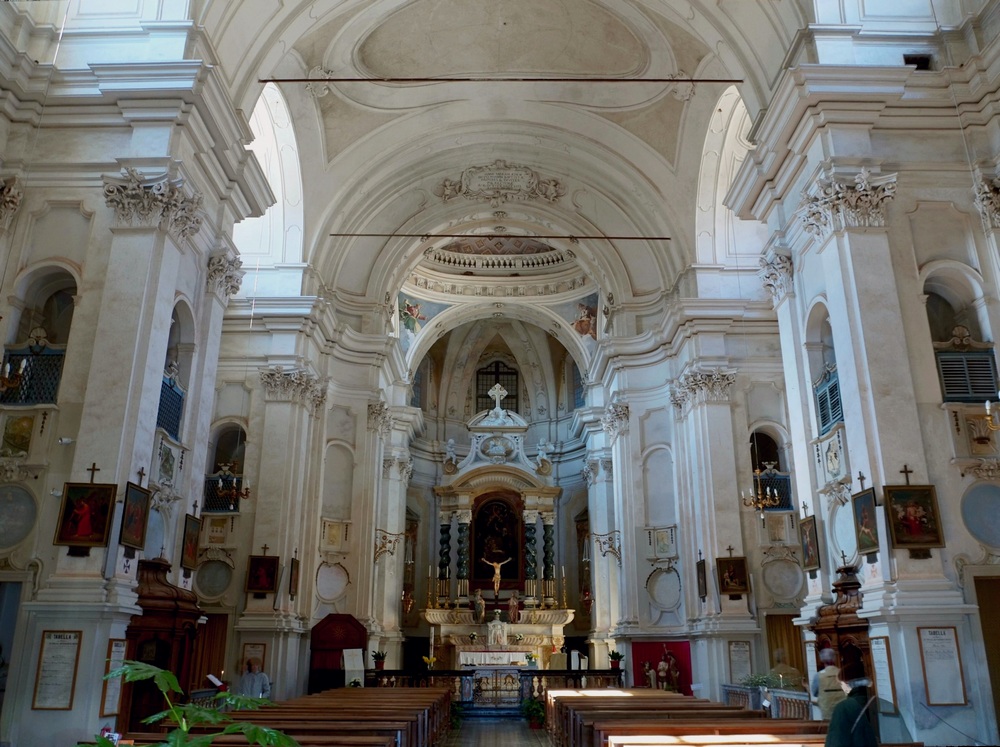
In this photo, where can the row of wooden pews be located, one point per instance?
(621, 718)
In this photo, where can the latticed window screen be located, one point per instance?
(967, 376)
(778, 483)
(213, 502)
(496, 373)
(578, 399)
(829, 409)
(39, 380)
(168, 417)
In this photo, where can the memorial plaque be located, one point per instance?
(940, 657)
(55, 678)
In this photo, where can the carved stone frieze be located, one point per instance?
(834, 206)
(987, 193)
(294, 386)
(10, 200)
(712, 385)
(987, 469)
(225, 275)
(379, 419)
(776, 276)
(615, 420)
(501, 182)
(153, 201)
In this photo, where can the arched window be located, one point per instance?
(497, 373)
(176, 369)
(966, 364)
(225, 485)
(823, 369)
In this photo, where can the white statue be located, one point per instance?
(543, 451)
(450, 451)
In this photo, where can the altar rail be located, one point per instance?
(462, 682)
(787, 704)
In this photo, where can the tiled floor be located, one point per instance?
(482, 732)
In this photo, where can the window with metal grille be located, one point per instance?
(416, 396)
(40, 376)
(578, 398)
(219, 492)
(171, 409)
(829, 409)
(780, 484)
(496, 373)
(967, 376)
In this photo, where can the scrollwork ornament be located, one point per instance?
(225, 275)
(379, 419)
(615, 419)
(10, 200)
(320, 87)
(776, 276)
(987, 469)
(987, 199)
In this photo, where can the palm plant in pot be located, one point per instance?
(379, 658)
(534, 710)
(616, 659)
(189, 717)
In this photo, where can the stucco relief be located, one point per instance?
(776, 276)
(10, 200)
(987, 193)
(834, 206)
(139, 200)
(712, 385)
(501, 182)
(225, 275)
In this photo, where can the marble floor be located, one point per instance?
(482, 732)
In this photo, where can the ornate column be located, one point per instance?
(464, 517)
(444, 558)
(530, 557)
(548, 558)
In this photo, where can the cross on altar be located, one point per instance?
(93, 468)
(906, 472)
(497, 393)
(861, 479)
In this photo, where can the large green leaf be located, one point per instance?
(261, 735)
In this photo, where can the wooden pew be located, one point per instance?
(794, 731)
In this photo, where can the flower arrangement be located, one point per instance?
(530, 657)
(473, 636)
(429, 661)
(379, 655)
(355, 683)
(758, 679)
(616, 656)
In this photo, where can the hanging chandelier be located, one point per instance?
(760, 498)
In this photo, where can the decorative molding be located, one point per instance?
(589, 472)
(712, 385)
(501, 182)
(153, 201)
(379, 419)
(607, 466)
(10, 200)
(987, 201)
(294, 386)
(225, 276)
(986, 469)
(13, 469)
(988, 557)
(320, 88)
(163, 499)
(962, 342)
(835, 206)
(387, 463)
(776, 276)
(615, 420)
(778, 552)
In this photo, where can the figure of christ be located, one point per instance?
(496, 574)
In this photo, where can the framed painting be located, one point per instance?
(262, 574)
(189, 548)
(663, 542)
(135, 516)
(702, 578)
(912, 514)
(85, 515)
(865, 527)
(810, 543)
(733, 576)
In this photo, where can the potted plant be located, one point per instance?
(757, 682)
(616, 659)
(379, 658)
(534, 710)
(189, 716)
(532, 660)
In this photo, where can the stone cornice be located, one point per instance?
(151, 201)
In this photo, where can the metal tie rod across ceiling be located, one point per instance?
(498, 80)
(426, 236)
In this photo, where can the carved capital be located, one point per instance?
(10, 200)
(294, 386)
(405, 467)
(712, 385)
(776, 276)
(834, 206)
(987, 193)
(678, 396)
(387, 463)
(224, 276)
(615, 420)
(379, 419)
(589, 472)
(153, 201)
(607, 466)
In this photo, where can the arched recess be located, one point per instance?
(954, 297)
(46, 295)
(658, 478)
(181, 341)
(275, 237)
(338, 481)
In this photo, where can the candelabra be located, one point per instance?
(228, 489)
(760, 497)
(12, 380)
(991, 417)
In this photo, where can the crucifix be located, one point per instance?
(699, 555)
(906, 472)
(92, 469)
(861, 479)
(265, 548)
(730, 548)
(142, 473)
(497, 393)
(843, 557)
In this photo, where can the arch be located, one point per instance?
(36, 288)
(496, 476)
(181, 339)
(961, 287)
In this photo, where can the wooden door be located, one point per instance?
(988, 597)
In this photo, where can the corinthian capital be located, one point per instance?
(153, 201)
(776, 276)
(10, 201)
(224, 276)
(615, 419)
(294, 386)
(988, 202)
(833, 205)
(379, 419)
(712, 385)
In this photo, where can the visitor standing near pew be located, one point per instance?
(825, 687)
(254, 683)
(849, 724)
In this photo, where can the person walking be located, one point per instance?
(825, 686)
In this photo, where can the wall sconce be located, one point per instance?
(609, 544)
(385, 542)
(64, 441)
(991, 417)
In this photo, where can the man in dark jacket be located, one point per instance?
(849, 725)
